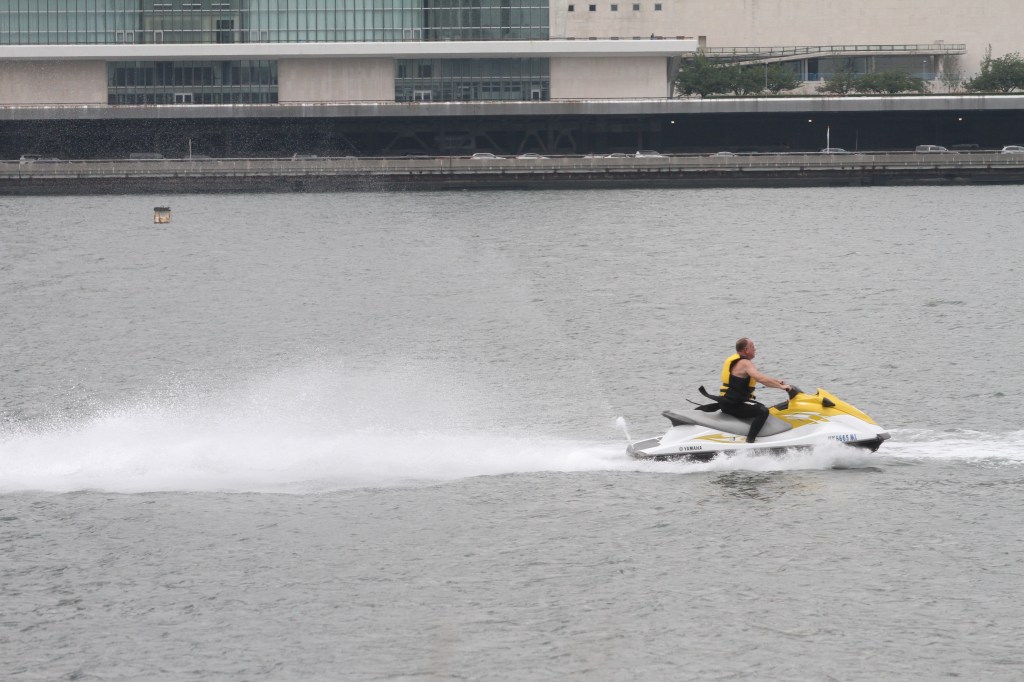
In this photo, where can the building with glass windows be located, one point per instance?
(143, 52)
(94, 78)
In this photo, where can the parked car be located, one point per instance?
(304, 157)
(617, 155)
(1012, 149)
(932, 149)
(530, 156)
(485, 156)
(649, 154)
(833, 150)
(723, 154)
(35, 158)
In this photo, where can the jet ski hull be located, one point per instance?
(803, 422)
(871, 444)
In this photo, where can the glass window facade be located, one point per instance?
(83, 22)
(824, 68)
(198, 82)
(77, 22)
(451, 80)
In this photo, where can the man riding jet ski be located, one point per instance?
(739, 378)
(744, 425)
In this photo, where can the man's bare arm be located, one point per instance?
(762, 378)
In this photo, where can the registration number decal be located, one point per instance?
(845, 437)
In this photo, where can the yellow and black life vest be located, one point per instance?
(738, 389)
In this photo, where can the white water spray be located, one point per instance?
(620, 422)
(322, 428)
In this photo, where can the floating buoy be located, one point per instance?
(161, 214)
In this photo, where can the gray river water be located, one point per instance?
(380, 436)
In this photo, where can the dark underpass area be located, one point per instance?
(267, 136)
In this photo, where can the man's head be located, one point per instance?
(746, 349)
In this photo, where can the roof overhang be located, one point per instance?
(395, 50)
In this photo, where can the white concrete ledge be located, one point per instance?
(396, 50)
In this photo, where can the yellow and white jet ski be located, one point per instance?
(803, 421)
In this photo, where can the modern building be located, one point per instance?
(144, 52)
(99, 78)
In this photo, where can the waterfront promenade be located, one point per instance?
(450, 172)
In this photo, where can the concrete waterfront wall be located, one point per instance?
(339, 174)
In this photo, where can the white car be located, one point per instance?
(932, 149)
(485, 156)
(35, 158)
(1012, 149)
(649, 154)
(530, 156)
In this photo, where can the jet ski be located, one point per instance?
(802, 421)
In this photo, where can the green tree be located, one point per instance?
(841, 83)
(744, 80)
(781, 78)
(890, 83)
(1003, 74)
(701, 76)
(952, 77)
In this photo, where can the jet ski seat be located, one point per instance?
(726, 422)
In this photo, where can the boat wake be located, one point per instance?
(314, 428)
(963, 444)
(143, 453)
(304, 435)
(152, 452)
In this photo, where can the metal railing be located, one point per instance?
(782, 52)
(12, 171)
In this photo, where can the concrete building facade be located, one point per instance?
(280, 51)
(867, 28)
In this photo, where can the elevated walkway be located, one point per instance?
(762, 55)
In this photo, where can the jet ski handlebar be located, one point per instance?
(793, 392)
